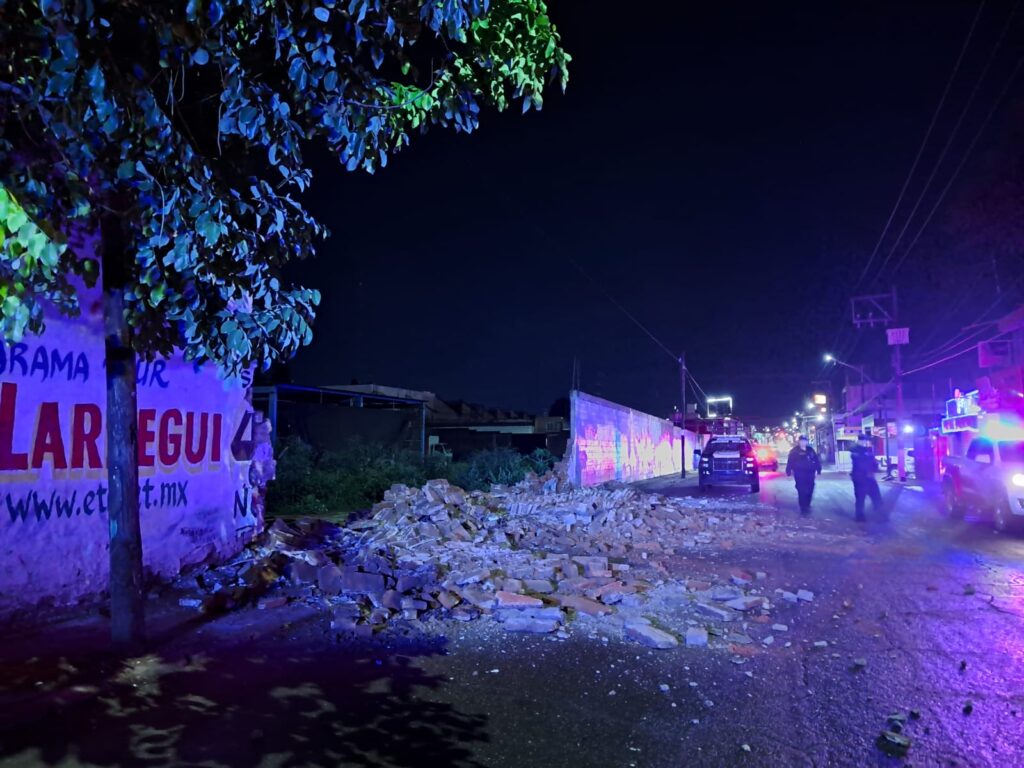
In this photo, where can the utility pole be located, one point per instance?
(897, 338)
(883, 309)
(682, 408)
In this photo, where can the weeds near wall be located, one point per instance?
(333, 484)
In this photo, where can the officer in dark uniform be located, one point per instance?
(865, 465)
(802, 465)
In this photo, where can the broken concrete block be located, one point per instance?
(583, 605)
(512, 585)
(530, 624)
(407, 583)
(448, 600)
(593, 565)
(805, 595)
(713, 611)
(353, 580)
(512, 600)
(301, 572)
(741, 578)
(650, 636)
(539, 586)
(329, 579)
(724, 594)
(744, 603)
(696, 637)
(477, 597)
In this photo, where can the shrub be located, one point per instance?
(334, 483)
(312, 483)
(499, 466)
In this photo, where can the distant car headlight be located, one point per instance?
(1018, 479)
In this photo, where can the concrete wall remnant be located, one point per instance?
(609, 441)
(204, 459)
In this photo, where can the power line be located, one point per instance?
(966, 331)
(924, 143)
(839, 341)
(963, 160)
(622, 309)
(693, 379)
(952, 137)
(951, 357)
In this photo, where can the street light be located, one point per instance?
(829, 358)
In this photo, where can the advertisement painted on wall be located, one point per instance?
(613, 442)
(198, 481)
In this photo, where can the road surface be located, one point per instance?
(918, 613)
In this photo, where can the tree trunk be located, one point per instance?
(127, 623)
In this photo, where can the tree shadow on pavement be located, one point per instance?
(251, 705)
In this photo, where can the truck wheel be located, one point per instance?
(1005, 520)
(954, 506)
(703, 486)
(755, 487)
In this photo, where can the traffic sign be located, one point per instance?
(898, 336)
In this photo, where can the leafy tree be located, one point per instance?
(171, 134)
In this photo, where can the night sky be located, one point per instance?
(721, 173)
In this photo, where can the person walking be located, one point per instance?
(862, 472)
(803, 465)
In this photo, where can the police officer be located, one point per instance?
(802, 465)
(863, 475)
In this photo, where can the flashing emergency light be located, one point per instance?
(828, 358)
(908, 429)
(1018, 479)
(1003, 427)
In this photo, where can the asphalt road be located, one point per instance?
(933, 609)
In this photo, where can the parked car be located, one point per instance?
(728, 460)
(767, 457)
(989, 479)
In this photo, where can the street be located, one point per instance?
(923, 619)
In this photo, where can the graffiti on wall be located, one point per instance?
(202, 455)
(613, 442)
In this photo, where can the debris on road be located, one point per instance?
(536, 557)
(894, 744)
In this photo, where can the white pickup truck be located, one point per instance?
(990, 479)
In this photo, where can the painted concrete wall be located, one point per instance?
(203, 455)
(609, 441)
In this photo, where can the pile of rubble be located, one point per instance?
(533, 557)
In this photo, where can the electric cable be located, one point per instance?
(924, 143)
(952, 137)
(845, 330)
(963, 160)
(951, 357)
